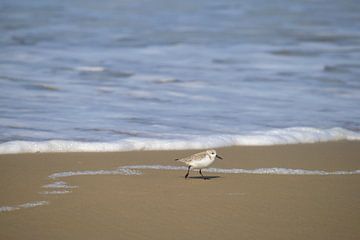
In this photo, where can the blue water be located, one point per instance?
(118, 71)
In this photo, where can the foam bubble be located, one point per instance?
(258, 138)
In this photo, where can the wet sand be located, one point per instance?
(160, 204)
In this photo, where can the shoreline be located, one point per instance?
(158, 203)
(274, 137)
(321, 154)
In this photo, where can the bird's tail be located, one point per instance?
(176, 159)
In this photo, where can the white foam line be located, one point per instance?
(59, 184)
(7, 209)
(97, 172)
(269, 171)
(33, 204)
(282, 171)
(154, 167)
(55, 192)
(24, 205)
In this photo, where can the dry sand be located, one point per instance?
(161, 204)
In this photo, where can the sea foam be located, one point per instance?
(258, 138)
(24, 205)
(55, 192)
(59, 184)
(258, 171)
(120, 171)
(135, 170)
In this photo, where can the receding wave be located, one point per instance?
(259, 138)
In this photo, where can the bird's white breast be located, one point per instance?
(202, 163)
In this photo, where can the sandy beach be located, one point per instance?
(98, 98)
(161, 204)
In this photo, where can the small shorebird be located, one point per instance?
(199, 161)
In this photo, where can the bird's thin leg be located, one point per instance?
(202, 175)
(187, 174)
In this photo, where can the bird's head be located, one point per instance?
(212, 154)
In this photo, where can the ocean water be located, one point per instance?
(128, 75)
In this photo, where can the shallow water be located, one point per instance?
(154, 73)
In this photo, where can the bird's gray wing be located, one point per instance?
(193, 157)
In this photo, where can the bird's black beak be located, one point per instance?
(219, 157)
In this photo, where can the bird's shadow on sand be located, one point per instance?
(206, 177)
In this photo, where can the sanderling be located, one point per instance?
(199, 161)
